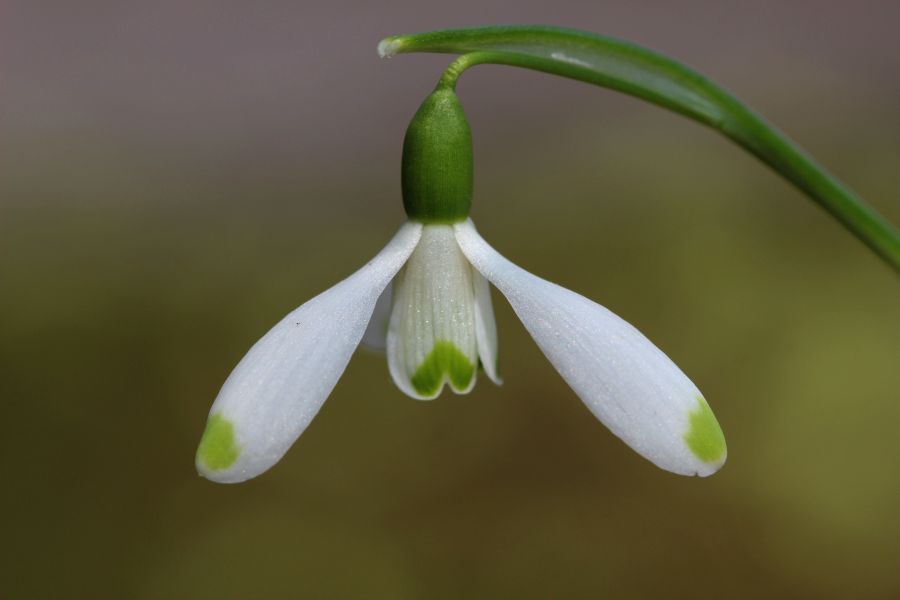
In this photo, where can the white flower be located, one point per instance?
(429, 292)
(434, 280)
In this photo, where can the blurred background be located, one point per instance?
(178, 176)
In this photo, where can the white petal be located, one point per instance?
(485, 326)
(375, 337)
(279, 386)
(626, 381)
(431, 336)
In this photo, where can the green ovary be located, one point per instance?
(444, 362)
(217, 449)
(704, 436)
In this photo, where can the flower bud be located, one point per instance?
(436, 172)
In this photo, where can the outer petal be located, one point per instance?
(279, 386)
(626, 381)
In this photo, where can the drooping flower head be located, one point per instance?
(429, 292)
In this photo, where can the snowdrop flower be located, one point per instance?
(429, 292)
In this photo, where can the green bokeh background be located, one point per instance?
(176, 179)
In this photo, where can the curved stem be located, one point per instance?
(639, 72)
(461, 64)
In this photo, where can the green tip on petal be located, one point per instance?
(445, 361)
(704, 436)
(217, 448)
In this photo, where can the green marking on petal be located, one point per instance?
(444, 362)
(704, 436)
(217, 448)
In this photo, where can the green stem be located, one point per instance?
(458, 66)
(639, 72)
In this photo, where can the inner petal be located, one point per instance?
(431, 336)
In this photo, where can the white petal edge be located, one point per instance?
(281, 383)
(375, 337)
(485, 326)
(625, 381)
